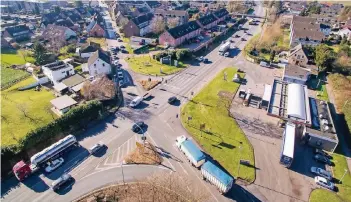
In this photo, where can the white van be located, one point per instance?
(136, 101)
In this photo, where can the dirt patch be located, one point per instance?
(144, 154)
(148, 85)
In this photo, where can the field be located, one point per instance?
(149, 66)
(23, 111)
(220, 136)
(8, 75)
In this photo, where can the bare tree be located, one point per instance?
(101, 88)
(236, 6)
(173, 22)
(158, 25)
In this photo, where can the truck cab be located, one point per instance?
(22, 170)
(180, 140)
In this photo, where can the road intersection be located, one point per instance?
(92, 172)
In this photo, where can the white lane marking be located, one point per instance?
(128, 146)
(117, 159)
(183, 168)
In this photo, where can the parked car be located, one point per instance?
(243, 39)
(172, 99)
(264, 64)
(122, 47)
(226, 54)
(323, 159)
(321, 152)
(57, 184)
(206, 60)
(121, 83)
(201, 58)
(236, 36)
(321, 172)
(120, 75)
(96, 148)
(119, 40)
(236, 78)
(116, 62)
(53, 165)
(321, 181)
(138, 127)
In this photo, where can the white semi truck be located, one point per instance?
(224, 48)
(191, 151)
(217, 177)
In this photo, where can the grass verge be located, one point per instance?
(221, 137)
(149, 66)
(23, 111)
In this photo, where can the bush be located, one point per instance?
(76, 118)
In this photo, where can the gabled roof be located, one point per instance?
(165, 12)
(207, 19)
(297, 48)
(98, 55)
(51, 17)
(64, 23)
(88, 49)
(221, 12)
(74, 17)
(153, 4)
(73, 80)
(55, 30)
(184, 29)
(142, 19)
(16, 29)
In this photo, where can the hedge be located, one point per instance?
(76, 118)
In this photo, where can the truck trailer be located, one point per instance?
(217, 177)
(224, 47)
(191, 151)
(22, 169)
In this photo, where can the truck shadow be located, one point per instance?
(238, 193)
(35, 183)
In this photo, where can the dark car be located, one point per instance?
(237, 36)
(321, 152)
(243, 39)
(205, 60)
(322, 159)
(122, 47)
(172, 99)
(138, 127)
(57, 184)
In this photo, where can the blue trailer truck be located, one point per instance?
(217, 177)
(191, 151)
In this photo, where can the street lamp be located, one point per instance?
(343, 175)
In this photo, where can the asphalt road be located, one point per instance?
(91, 172)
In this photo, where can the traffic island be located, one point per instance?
(144, 154)
(207, 118)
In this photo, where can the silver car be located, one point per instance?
(321, 172)
(321, 181)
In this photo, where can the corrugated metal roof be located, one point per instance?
(222, 176)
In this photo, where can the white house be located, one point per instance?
(57, 71)
(345, 32)
(99, 63)
(87, 51)
(296, 74)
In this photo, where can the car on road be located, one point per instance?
(243, 39)
(321, 152)
(264, 64)
(321, 181)
(201, 58)
(321, 172)
(236, 36)
(96, 148)
(120, 75)
(206, 60)
(57, 184)
(122, 47)
(53, 165)
(226, 54)
(119, 40)
(138, 127)
(322, 159)
(116, 62)
(172, 99)
(136, 101)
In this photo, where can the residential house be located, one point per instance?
(62, 105)
(57, 71)
(183, 16)
(59, 34)
(221, 14)
(298, 56)
(178, 35)
(18, 32)
(331, 10)
(87, 51)
(153, 4)
(296, 8)
(99, 63)
(208, 21)
(345, 32)
(296, 74)
(120, 19)
(138, 26)
(307, 31)
(95, 30)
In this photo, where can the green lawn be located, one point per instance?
(319, 195)
(149, 66)
(23, 111)
(64, 54)
(8, 75)
(223, 135)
